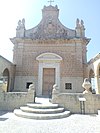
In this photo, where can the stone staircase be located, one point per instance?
(42, 111)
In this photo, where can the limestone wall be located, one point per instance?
(12, 100)
(71, 102)
(5, 64)
(76, 84)
(21, 82)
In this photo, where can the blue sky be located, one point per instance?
(13, 10)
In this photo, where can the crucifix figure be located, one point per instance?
(51, 1)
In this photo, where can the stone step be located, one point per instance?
(20, 113)
(42, 111)
(42, 106)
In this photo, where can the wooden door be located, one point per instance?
(48, 80)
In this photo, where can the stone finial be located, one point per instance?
(80, 30)
(77, 23)
(86, 85)
(20, 30)
(56, 6)
(82, 23)
(21, 24)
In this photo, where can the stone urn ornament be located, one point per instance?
(55, 92)
(55, 88)
(31, 88)
(86, 85)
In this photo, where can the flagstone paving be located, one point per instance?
(76, 123)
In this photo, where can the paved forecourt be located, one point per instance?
(76, 123)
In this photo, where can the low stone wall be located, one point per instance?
(71, 102)
(12, 100)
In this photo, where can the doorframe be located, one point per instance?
(48, 60)
(48, 89)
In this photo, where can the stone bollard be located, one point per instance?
(86, 85)
(31, 90)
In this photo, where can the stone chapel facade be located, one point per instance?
(49, 54)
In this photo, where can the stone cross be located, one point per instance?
(51, 1)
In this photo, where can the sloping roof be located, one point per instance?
(6, 59)
(94, 58)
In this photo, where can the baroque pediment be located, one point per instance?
(50, 27)
(49, 30)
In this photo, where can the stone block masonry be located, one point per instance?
(11, 100)
(71, 102)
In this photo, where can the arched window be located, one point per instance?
(6, 79)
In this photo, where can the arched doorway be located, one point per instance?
(48, 73)
(6, 79)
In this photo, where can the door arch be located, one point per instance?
(6, 79)
(48, 60)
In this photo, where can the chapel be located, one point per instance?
(47, 54)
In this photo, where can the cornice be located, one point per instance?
(50, 41)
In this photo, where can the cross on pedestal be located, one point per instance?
(51, 1)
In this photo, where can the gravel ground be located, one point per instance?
(75, 123)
